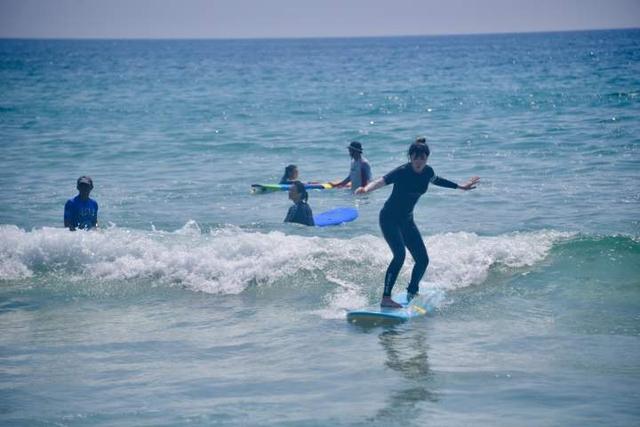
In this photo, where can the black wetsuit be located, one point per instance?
(396, 222)
(300, 213)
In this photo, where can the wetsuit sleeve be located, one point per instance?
(441, 182)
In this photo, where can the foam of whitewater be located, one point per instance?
(228, 260)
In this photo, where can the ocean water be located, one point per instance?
(194, 304)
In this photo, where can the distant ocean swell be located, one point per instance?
(230, 259)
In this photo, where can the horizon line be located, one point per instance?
(321, 37)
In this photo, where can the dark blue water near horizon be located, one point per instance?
(194, 303)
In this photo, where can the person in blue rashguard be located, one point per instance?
(81, 211)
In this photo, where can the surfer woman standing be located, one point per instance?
(410, 181)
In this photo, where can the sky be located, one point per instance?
(305, 18)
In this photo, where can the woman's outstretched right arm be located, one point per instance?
(373, 185)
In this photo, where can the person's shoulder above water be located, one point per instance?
(396, 173)
(365, 164)
(428, 170)
(300, 212)
(79, 199)
(307, 213)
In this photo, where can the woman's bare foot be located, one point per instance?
(389, 303)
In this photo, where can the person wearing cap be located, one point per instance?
(81, 211)
(360, 172)
(410, 181)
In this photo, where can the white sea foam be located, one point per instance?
(346, 296)
(461, 259)
(228, 260)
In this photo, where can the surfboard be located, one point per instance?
(379, 316)
(335, 216)
(268, 188)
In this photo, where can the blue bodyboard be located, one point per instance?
(335, 216)
(377, 316)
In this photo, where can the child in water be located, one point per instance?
(300, 212)
(290, 174)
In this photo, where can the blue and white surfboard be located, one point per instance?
(377, 316)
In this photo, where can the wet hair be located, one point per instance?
(301, 190)
(419, 148)
(288, 172)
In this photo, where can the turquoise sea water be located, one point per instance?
(195, 304)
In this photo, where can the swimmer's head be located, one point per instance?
(290, 173)
(297, 192)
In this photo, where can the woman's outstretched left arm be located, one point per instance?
(471, 184)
